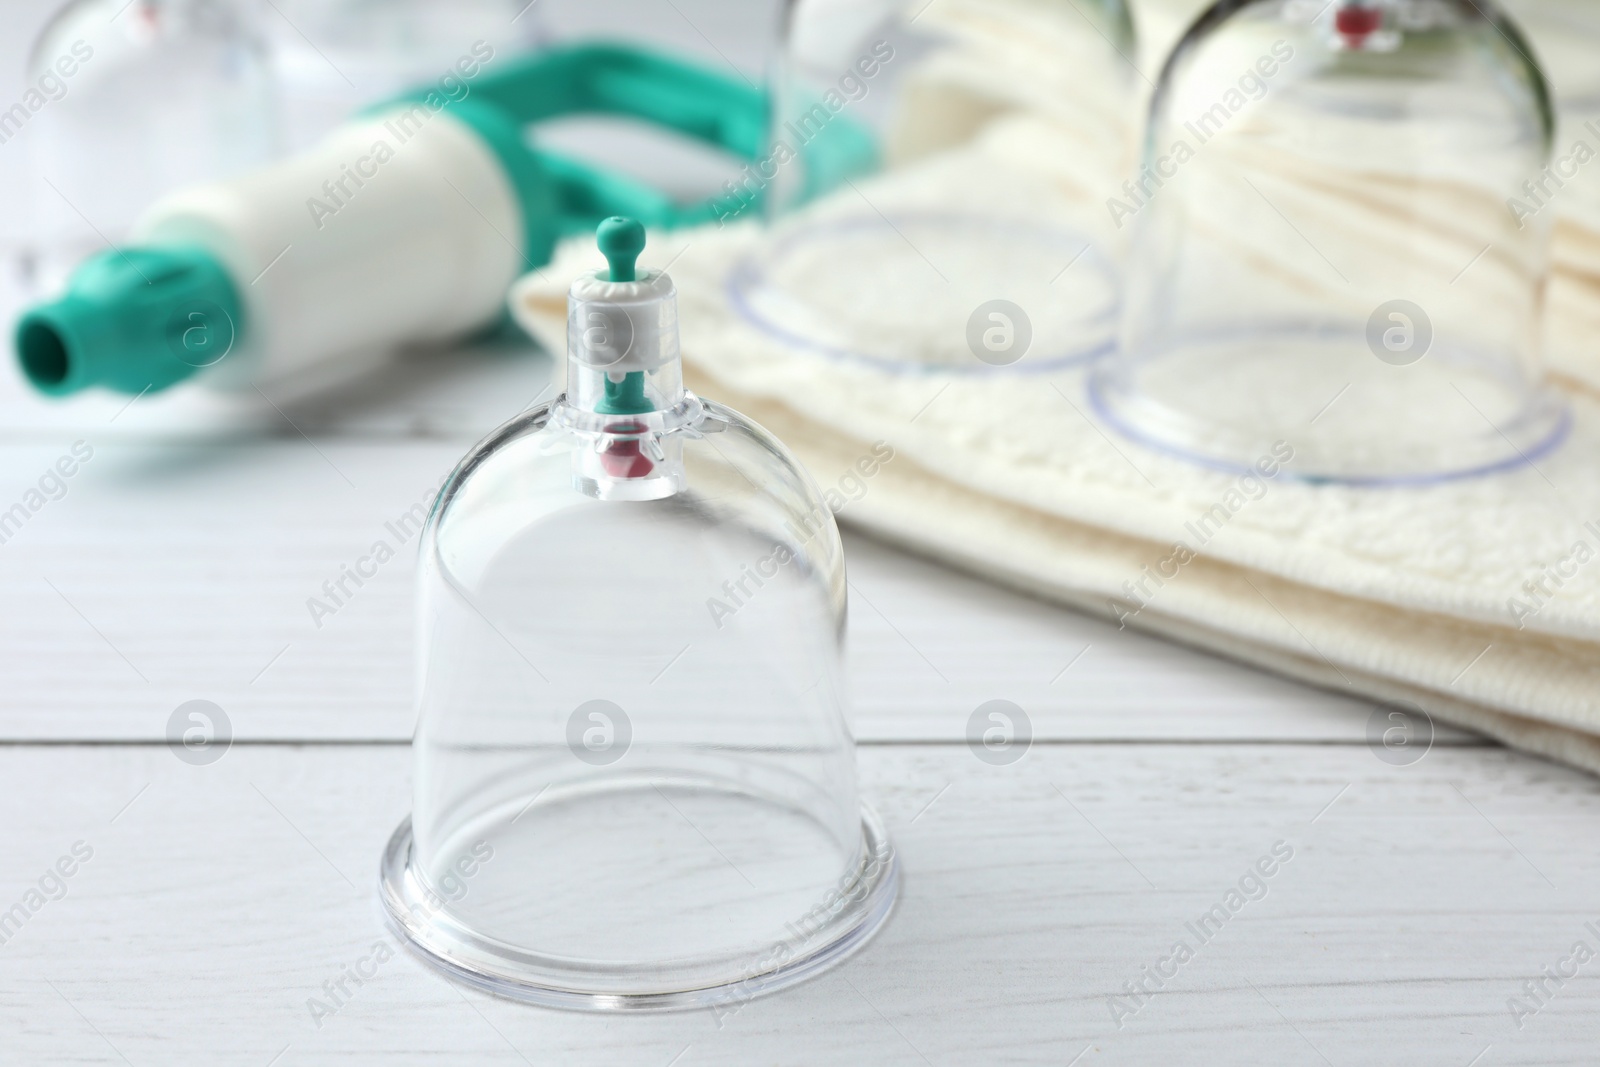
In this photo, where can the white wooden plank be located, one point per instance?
(182, 569)
(171, 572)
(1418, 899)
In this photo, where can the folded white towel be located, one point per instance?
(1397, 594)
(1477, 600)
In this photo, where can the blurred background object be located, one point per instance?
(162, 93)
(959, 66)
(1324, 252)
(333, 57)
(739, 41)
(1347, 156)
(423, 255)
(1566, 40)
(287, 71)
(996, 126)
(421, 212)
(171, 93)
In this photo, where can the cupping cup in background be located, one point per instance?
(930, 266)
(634, 784)
(333, 57)
(1324, 252)
(1566, 34)
(153, 95)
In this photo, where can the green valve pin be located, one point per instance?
(621, 240)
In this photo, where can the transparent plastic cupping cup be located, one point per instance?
(922, 175)
(1327, 247)
(634, 783)
(135, 98)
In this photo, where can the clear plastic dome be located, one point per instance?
(1332, 248)
(137, 98)
(634, 782)
(1566, 33)
(935, 181)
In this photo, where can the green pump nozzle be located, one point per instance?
(133, 320)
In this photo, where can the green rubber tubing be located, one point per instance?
(563, 196)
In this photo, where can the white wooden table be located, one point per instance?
(219, 899)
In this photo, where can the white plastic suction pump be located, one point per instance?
(403, 226)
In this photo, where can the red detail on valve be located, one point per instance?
(1358, 23)
(622, 457)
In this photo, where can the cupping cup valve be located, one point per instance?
(1334, 246)
(634, 786)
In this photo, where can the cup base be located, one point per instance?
(1320, 398)
(842, 922)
